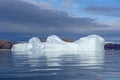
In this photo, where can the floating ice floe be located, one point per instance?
(54, 43)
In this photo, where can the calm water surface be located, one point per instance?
(60, 65)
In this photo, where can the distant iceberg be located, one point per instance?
(54, 43)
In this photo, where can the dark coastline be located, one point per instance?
(5, 44)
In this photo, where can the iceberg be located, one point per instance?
(54, 43)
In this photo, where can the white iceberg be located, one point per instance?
(54, 43)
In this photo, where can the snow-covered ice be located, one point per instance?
(54, 43)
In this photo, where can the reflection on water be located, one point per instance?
(65, 58)
(59, 65)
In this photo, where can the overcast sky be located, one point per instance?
(22, 19)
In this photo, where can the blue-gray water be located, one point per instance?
(60, 65)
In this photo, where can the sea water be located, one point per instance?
(60, 65)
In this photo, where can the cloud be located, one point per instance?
(22, 18)
(42, 4)
(104, 10)
(69, 3)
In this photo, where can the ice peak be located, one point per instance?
(54, 39)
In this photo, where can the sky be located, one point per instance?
(71, 19)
